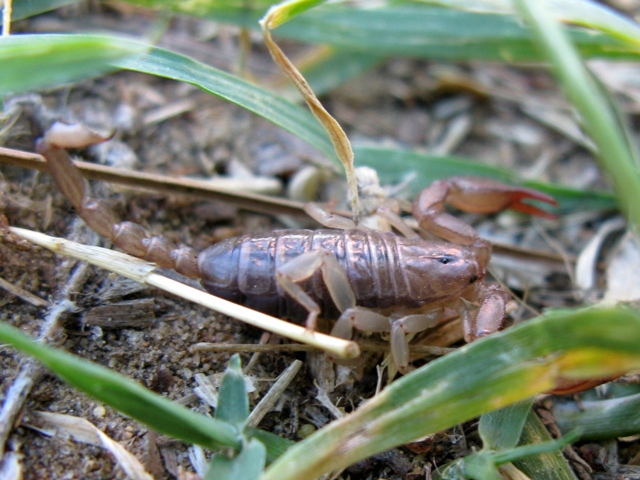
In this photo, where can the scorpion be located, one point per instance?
(372, 281)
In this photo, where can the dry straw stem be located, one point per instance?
(209, 190)
(274, 17)
(143, 272)
(6, 17)
(22, 294)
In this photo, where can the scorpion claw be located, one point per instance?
(531, 210)
(475, 195)
(516, 204)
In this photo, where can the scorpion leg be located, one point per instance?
(475, 195)
(396, 221)
(488, 318)
(324, 217)
(385, 211)
(360, 319)
(369, 321)
(410, 324)
(333, 275)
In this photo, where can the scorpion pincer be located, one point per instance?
(371, 281)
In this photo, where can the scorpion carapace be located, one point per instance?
(376, 281)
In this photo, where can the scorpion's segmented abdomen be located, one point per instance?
(242, 269)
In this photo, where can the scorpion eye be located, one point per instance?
(445, 259)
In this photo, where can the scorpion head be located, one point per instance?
(436, 270)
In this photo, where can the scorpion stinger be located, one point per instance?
(128, 236)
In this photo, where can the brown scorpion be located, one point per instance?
(372, 281)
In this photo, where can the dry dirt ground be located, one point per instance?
(173, 129)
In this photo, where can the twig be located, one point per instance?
(160, 183)
(250, 347)
(23, 294)
(297, 347)
(275, 392)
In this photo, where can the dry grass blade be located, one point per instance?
(81, 430)
(336, 133)
(586, 265)
(10, 468)
(623, 274)
(250, 347)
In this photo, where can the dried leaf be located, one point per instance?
(338, 137)
(623, 272)
(585, 273)
(81, 430)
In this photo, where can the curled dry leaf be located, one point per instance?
(81, 430)
(585, 273)
(337, 135)
(623, 271)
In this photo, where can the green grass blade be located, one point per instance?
(478, 465)
(233, 401)
(247, 465)
(616, 154)
(241, 13)
(127, 396)
(600, 419)
(486, 375)
(543, 466)
(516, 453)
(418, 170)
(63, 58)
(289, 9)
(436, 33)
(578, 12)
(336, 68)
(575, 200)
(276, 445)
(28, 8)
(32, 62)
(287, 115)
(427, 31)
(501, 429)
(543, 454)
